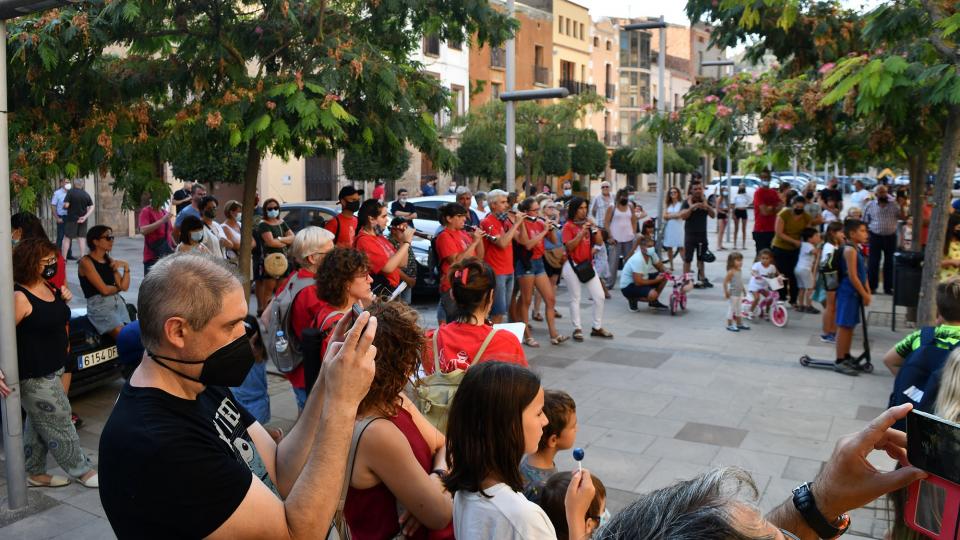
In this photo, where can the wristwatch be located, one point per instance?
(807, 506)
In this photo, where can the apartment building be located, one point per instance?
(603, 74)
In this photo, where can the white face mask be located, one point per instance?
(196, 236)
(67, 186)
(567, 192)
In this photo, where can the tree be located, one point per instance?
(290, 78)
(556, 158)
(480, 156)
(361, 165)
(621, 161)
(589, 158)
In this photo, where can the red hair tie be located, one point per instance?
(463, 277)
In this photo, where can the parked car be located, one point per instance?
(902, 180)
(713, 188)
(428, 211)
(847, 181)
(796, 182)
(94, 355)
(300, 215)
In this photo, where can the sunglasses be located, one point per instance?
(273, 208)
(108, 238)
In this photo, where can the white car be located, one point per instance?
(713, 188)
(428, 211)
(902, 180)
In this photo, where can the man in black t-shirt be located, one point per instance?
(694, 213)
(79, 206)
(182, 197)
(402, 208)
(832, 193)
(180, 458)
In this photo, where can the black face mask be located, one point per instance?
(210, 214)
(227, 366)
(622, 201)
(49, 270)
(798, 211)
(352, 206)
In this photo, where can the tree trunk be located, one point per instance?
(250, 175)
(918, 194)
(927, 309)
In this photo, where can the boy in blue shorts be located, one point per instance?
(852, 293)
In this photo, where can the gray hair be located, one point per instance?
(496, 194)
(193, 189)
(79, 182)
(480, 195)
(698, 509)
(308, 241)
(464, 190)
(211, 279)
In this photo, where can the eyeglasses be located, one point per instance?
(108, 238)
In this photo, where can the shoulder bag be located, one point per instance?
(339, 530)
(584, 270)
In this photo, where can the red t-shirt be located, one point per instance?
(768, 197)
(499, 258)
(378, 193)
(459, 343)
(60, 278)
(347, 227)
(148, 216)
(534, 228)
(378, 250)
(583, 251)
(449, 243)
(304, 309)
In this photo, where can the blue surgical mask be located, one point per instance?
(632, 198)
(652, 251)
(196, 236)
(273, 214)
(567, 192)
(604, 517)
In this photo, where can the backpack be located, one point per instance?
(830, 269)
(434, 393)
(277, 318)
(918, 380)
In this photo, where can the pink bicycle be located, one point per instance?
(682, 284)
(769, 306)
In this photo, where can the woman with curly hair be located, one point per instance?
(42, 316)
(397, 478)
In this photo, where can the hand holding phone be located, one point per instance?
(933, 504)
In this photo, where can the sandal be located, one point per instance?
(600, 332)
(559, 339)
(537, 317)
(530, 342)
(557, 315)
(93, 482)
(578, 335)
(54, 482)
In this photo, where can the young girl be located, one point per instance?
(806, 270)
(759, 272)
(741, 203)
(484, 447)
(733, 291)
(673, 229)
(552, 502)
(834, 239)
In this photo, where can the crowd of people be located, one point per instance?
(390, 439)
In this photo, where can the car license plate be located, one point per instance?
(97, 357)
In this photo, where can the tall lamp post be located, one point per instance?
(10, 406)
(661, 25)
(509, 98)
(720, 63)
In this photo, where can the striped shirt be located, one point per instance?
(881, 219)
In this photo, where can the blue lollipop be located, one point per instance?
(578, 456)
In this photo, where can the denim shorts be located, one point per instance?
(501, 294)
(536, 268)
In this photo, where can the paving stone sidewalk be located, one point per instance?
(667, 398)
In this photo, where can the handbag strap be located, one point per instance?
(358, 430)
(483, 346)
(436, 352)
(476, 357)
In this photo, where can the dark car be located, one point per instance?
(300, 215)
(93, 356)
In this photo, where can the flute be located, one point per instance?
(488, 236)
(543, 220)
(589, 225)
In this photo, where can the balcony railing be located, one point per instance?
(611, 138)
(541, 74)
(431, 45)
(577, 87)
(611, 93)
(498, 57)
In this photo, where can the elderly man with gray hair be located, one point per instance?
(500, 230)
(180, 458)
(463, 199)
(721, 504)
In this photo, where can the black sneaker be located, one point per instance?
(699, 285)
(847, 367)
(707, 284)
(656, 304)
(632, 305)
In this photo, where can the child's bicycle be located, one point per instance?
(770, 305)
(682, 284)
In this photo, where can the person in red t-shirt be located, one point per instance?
(766, 204)
(344, 225)
(384, 261)
(469, 339)
(501, 226)
(310, 246)
(156, 227)
(530, 271)
(452, 245)
(578, 241)
(379, 191)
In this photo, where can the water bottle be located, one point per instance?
(281, 342)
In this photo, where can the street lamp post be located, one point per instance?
(721, 63)
(661, 25)
(10, 406)
(509, 98)
(511, 113)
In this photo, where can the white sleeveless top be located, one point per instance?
(621, 228)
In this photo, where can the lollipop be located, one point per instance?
(578, 456)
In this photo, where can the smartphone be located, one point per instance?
(357, 310)
(933, 504)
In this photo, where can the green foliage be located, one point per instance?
(622, 162)
(362, 165)
(480, 156)
(208, 160)
(556, 158)
(589, 157)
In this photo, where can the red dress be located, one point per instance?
(372, 513)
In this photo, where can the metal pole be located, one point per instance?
(729, 174)
(662, 107)
(10, 407)
(511, 158)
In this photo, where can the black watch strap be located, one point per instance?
(804, 502)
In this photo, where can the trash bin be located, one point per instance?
(907, 269)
